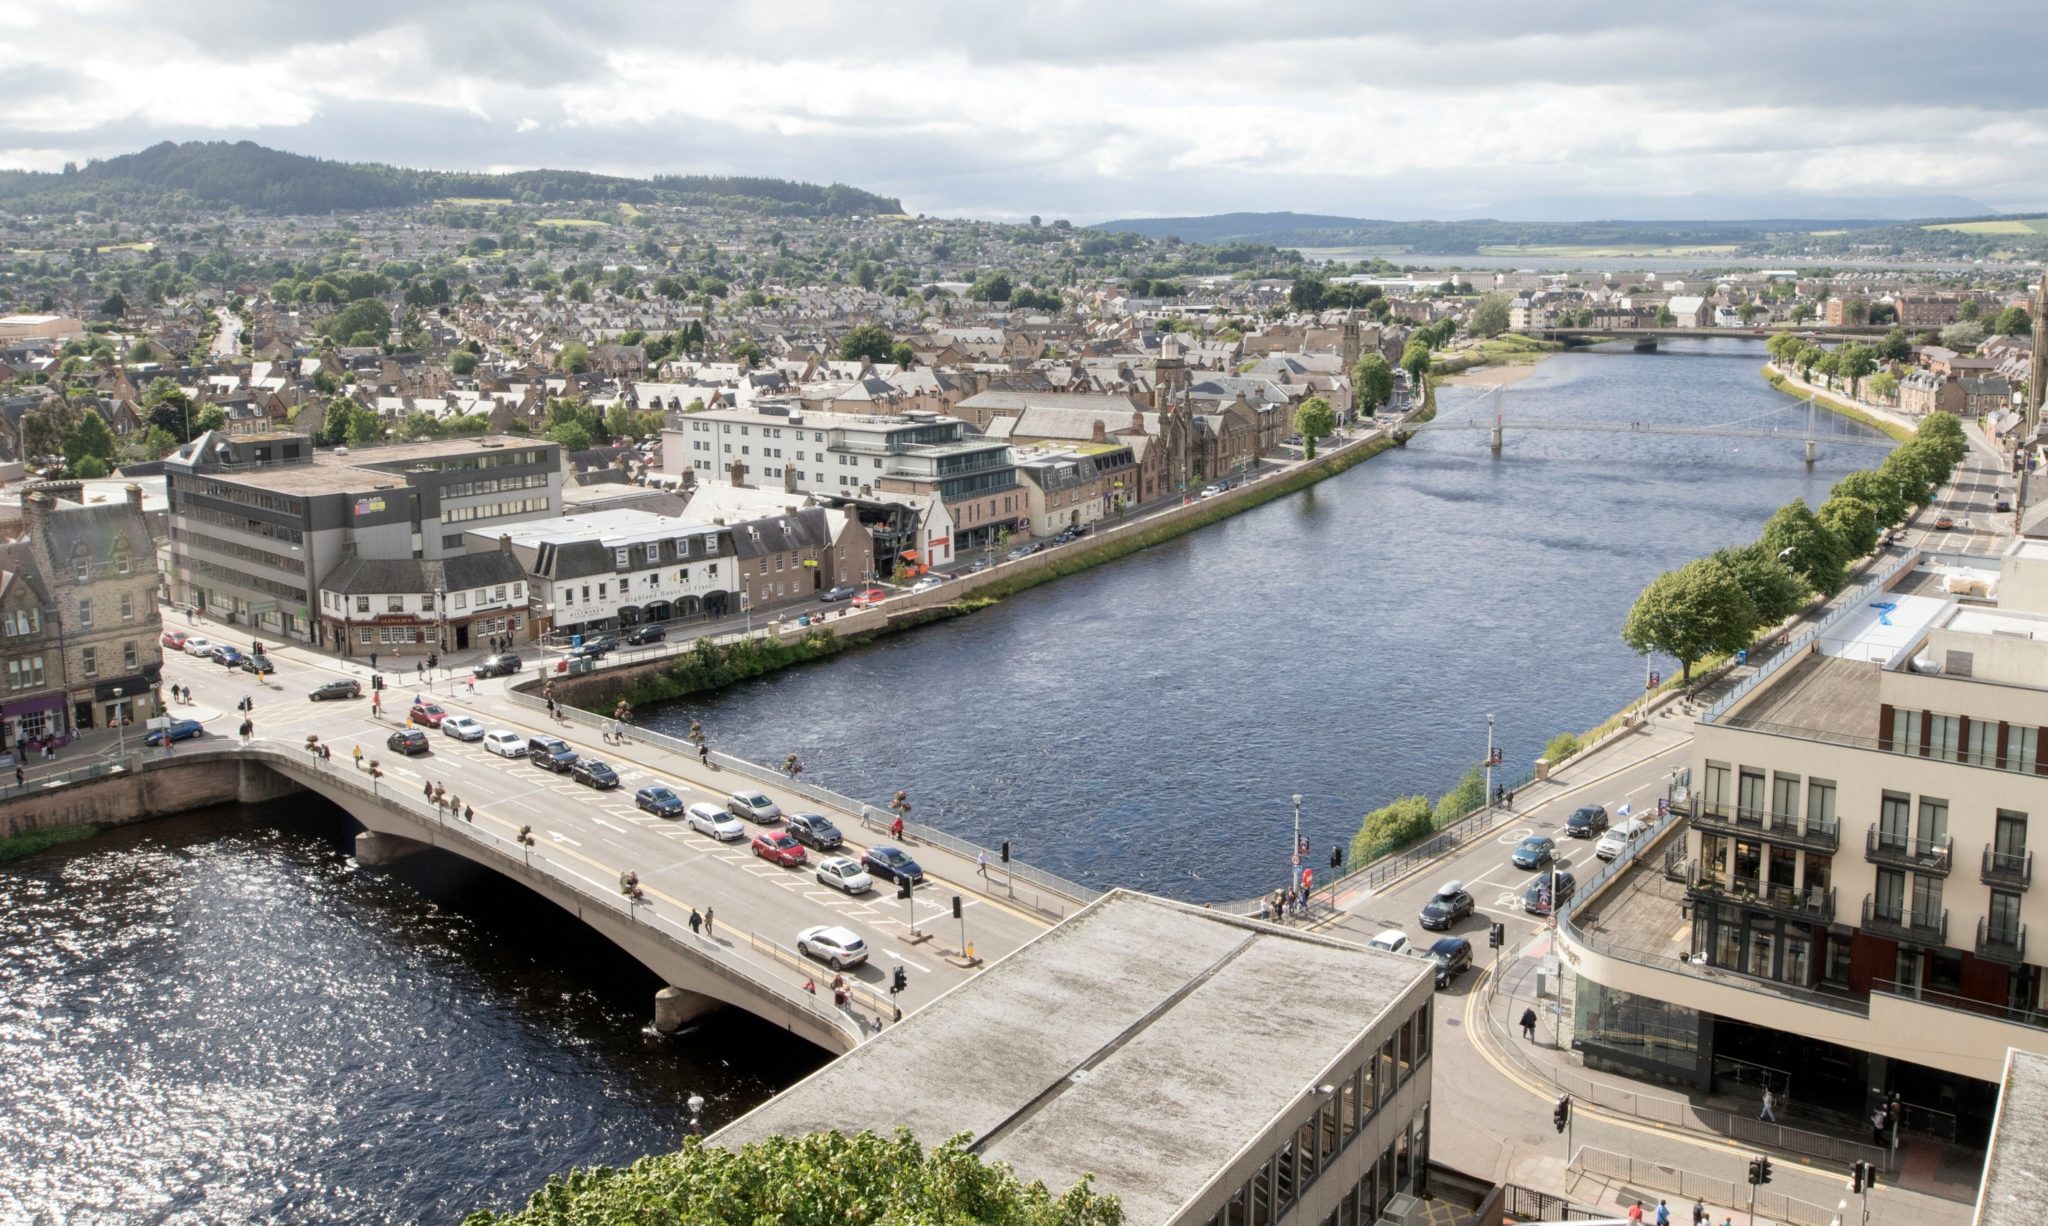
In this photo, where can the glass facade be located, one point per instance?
(1640, 1036)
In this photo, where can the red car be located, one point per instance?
(872, 596)
(174, 639)
(428, 714)
(779, 846)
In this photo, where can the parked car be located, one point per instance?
(1535, 851)
(659, 800)
(594, 774)
(336, 689)
(463, 728)
(504, 664)
(754, 806)
(176, 730)
(408, 741)
(174, 639)
(891, 864)
(815, 830)
(1536, 899)
(594, 646)
(1021, 551)
(259, 664)
(196, 646)
(551, 752)
(1453, 956)
(872, 596)
(831, 944)
(224, 655)
(714, 821)
(1393, 940)
(641, 636)
(428, 714)
(1451, 904)
(838, 592)
(925, 584)
(777, 845)
(844, 873)
(1617, 838)
(978, 565)
(505, 744)
(1586, 821)
(1210, 491)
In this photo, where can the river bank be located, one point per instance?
(1890, 421)
(1501, 360)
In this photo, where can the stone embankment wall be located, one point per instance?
(156, 788)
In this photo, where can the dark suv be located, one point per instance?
(503, 664)
(643, 635)
(1586, 821)
(551, 752)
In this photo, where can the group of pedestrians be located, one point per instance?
(1700, 1215)
(703, 921)
(1281, 904)
(441, 798)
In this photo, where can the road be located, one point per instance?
(227, 342)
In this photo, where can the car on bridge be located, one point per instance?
(779, 846)
(1536, 900)
(504, 664)
(408, 741)
(840, 948)
(428, 714)
(843, 873)
(463, 728)
(595, 646)
(551, 752)
(659, 800)
(815, 830)
(1534, 852)
(714, 821)
(1452, 955)
(755, 807)
(335, 689)
(1586, 821)
(505, 744)
(176, 730)
(643, 635)
(595, 774)
(892, 864)
(1451, 904)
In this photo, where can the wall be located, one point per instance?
(158, 788)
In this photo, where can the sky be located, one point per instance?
(1085, 110)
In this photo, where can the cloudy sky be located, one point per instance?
(1085, 110)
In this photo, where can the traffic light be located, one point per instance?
(1337, 856)
(1870, 1174)
(903, 887)
(1755, 1176)
(1562, 1113)
(1763, 1170)
(1006, 851)
(1856, 1177)
(898, 981)
(1496, 936)
(956, 906)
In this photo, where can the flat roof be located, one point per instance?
(1880, 629)
(1816, 693)
(2015, 1183)
(1116, 1045)
(623, 525)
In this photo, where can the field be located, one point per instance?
(569, 221)
(1595, 253)
(1996, 225)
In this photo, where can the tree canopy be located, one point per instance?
(866, 342)
(1691, 613)
(1315, 419)
(1490, 317)
(89, 437)
(1372, 383)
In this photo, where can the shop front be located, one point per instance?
(33, 721)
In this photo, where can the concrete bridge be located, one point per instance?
(1646, 338)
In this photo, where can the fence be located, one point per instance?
(77, 774)
(1798, 645)
(1640, 1173)
(1529, 1205)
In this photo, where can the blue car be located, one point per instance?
(225, 655)
(1535, 851)
(659, 801)
(891, 864)
(177, 730)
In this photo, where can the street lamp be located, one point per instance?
(441, 614)
(1295, 853)
(120, 725)
(1489, 758)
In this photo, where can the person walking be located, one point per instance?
(896, 828)
(359, 757)
(1878, 1120)
(376, 706)
(1769, 1113)
(696, 920)
(1699, 1213)
(1529, 1024)
(469, 815)
(981, 864)
(373, 661)
(1635, 1214)
(1663, 1214)
(704, 754)
(708, 913)
(20, 779)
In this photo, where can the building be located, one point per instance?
(449, 604)
(2015, 1178)
(55, 329)
(1923, 391)
(1133, 1069)
(1928, 309)
(1690, 311)
(1068, 487)
(257, 522)
(609, 569)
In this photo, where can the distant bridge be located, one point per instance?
(1647, 338)
(1498, 426)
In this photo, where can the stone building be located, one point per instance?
(98, 568)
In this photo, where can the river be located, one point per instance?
(219, 1018)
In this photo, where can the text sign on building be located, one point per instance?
(369, 506)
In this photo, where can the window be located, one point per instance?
(2021, 743)
(1751, 795)
(519, 591)
(653, 552)
(2009, 841)
(394, 604)
(498, 593)
(85, 614)
(1890, 899)
(89, 661)
(1926, 900)
(121, 561)
(2004, 925)
(1981, 746)
(1894, 819)
(1942, 731)
(462, 600)
(25, 673)
(1714, 796)
(1905, 732)
(1785, 798)
(426, 602)
(362, 604)
(23, 621)
(128, 654)
(81, 570)
(1820, 804)
(1933, 821)
(127, 606)
(622, 558)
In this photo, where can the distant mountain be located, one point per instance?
(250, 176)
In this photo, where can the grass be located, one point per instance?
(1591, 251)
(1507, 347)
(29, 842)
(1842, 407)
(569, 221)
(1997, 225)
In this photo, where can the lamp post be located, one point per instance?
(1489, 758)
(441, 615)
(1294, 852)
(120, 724)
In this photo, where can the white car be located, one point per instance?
(196, 646)
(1393, 940)
(754, 805)
(844, 873)
(462, 728)
(925, 584)
(505, 744)
(1617, 838)
(714, 821)
(834, 945)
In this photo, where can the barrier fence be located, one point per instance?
(1641, 1174)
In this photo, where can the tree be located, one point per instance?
(89, 436)
(2013, 321)
(1490, 317)
(115, 306)
(1306, 294)
(155, 443)
(1852, 521)
(1390, 827)
(1970, 310)
(1372, 383)
(1313, 420)
(859, 1180)
(1882, 313)
(991, 287)
(1747, 313)
(1690, 613)
(747, 354)
(1782, 346)
(1816, 554)
(42, 429)
(1895, 347)
(1773, 590)
(1801, 312)
(1853, 361)
(341, 413)
(1881, 386)
(462, 362)
(90, 468)
(864, 275)
(869, 342)
(363, 322)
(901, 354)
(1880, 492)
(1963, 337)
(1415, 360)
(574, 358)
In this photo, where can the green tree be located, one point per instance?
(1415, 360)
(1963, 337)
(1852, 521)
(43, 429)
(1306, 294)
(1970, 310)
(1391, 827)
(869, 342)
(572, 435)
(341, 412)
(1881, 386)
(1665, 318)
(1880, 492)
(864, 275)
(1816, 556)
(1882, 313)
(1315, 419)
(90, 468)
(1690, 613)
(574, 358)
(89, 436)
(747, 354)
(462, 362)
(1372, 383)
(621, 422)
(1772, 588)
(1467, 796)
(1747, 313)
(991, 287)
(2013, 321)
(903, 355)
(155, 443)
(1490, 317)
(1782, 346)
(1853, 361)
(1895, 347)
(115, 306)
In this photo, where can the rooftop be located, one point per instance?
(2015, 1170)
(1816, 693)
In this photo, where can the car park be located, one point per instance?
(224, 655)
(778, 846)
(844, 873)
(504, 664)
(838, 592)
(1393, 940)
(838, 947)
(1586, 821)
(174, 639)
(1618, 838)
(176, 730)
(814, 830)
(1534, 852)
(658, 800)
(872, 596)
(714, 821)
(641, 636)
(408, 741)
(462, 728)
(1536, 900)
(754, 806)
(592, 773)
(196, 646)
(551, 752)
(505, 744)
(428, 714)
(327, 690)
(891, 864)
(1453, 956)
(1451, 904)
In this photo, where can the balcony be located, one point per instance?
(2002, 943)
(1930, 856)
(1816, 905)
(1962, 1004)
(2012, 869)
(1901, 924)
(1785, 831)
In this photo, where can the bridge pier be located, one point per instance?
(1497, 434)
(1812, 452)
(374, 850)
(1646, 344)
(258, 783)
(674, 1008)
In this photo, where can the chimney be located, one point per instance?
(35, 513)
(505, 542)
(739, 474)
(135, 498)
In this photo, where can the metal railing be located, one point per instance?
(1662, 1177)
(2001, 942)
(1797, 646)
(2011, 765)
(77, 774)
(1961, 1004)
(1816, 833)
(2008, 868)
(1905, 851)
(1811, 903)
(1904, 922)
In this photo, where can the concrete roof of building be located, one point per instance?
(616, 527)
(1113, 1045)
(2015, 1180)
(1816, 693)
(367, 468)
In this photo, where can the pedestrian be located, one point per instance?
(981, 864)
(359, 757)
(468, 814)
(1500, 793)
(704, 754)
(1699, 1213)
(1769, 1114)
(1635, 1214)
(20, 779)
(696, 920)
(472, 684)
(247, 728)
(1877, 1123)
(708, 913)
(376, 706)
(427, 790)
(1511, 800)
(811, 986)
(1663, 1214)
(896, 828)
(373, 661)
(618, 732)
(1529, 1023)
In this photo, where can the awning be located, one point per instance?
(130, 687)
(48, 702)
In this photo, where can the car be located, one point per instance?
(755, 807)
(505, 744)
(891, 864)
(641, 636)
(1944, 523)
(336, 689)
(658, 800)
(1393, 940)
(831, 944)
(550, 751)
(815, 830)
(594, 774)
(462, 728)
(1451, 904)
(977, 566)
(714, 821)
(1535, 851)
(844, 873)
(1077, 530)
(1586, 821)
(504, 664)
(1292, 440)
(2002, 504)
(174, 639)
(925, 584)
(777, 845)
(1452, 955)
(176, 730)
(838, 592)
(594, 646)
(1210, 491)
(872, 596)
(1021, 552)
(224, 655)
(428, 714)
(408, 741)
(1617, 838)
(1536, 899)
(258, 663)
(196, 646)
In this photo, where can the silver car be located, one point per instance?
(714, 821)
(754, 806)
(841, 948)
(844, 873)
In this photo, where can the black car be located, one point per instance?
(1536, 899)
(1453, 956)
(1586, 821)
(660, 801)
(838, 591)
(643, 635)
(256, 664)
(551, 752)
(408, 741)
(336, 689)
(1451, 904)
(814, 830)
(504, 664)
(595, 645)
(593, 773)
(891, 864)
